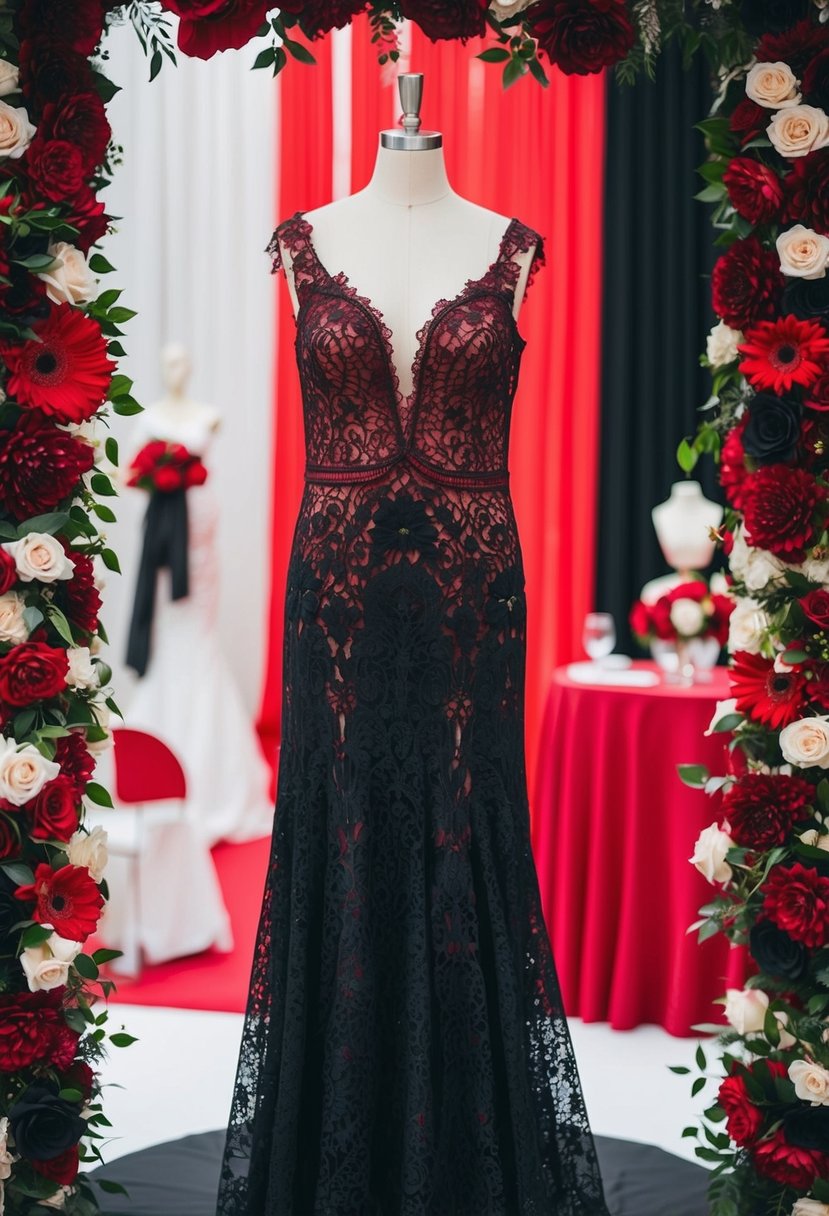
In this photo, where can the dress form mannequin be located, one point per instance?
(683, 524)
(175, 409)
(408, 240)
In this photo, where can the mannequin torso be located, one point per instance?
(407, 241)
(683, 526)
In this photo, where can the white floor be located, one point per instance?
(178, 1079)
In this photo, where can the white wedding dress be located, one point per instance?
(188, 696)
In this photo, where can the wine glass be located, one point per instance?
(599, 636)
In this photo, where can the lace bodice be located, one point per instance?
(455, 422)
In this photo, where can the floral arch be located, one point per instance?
(767, 423)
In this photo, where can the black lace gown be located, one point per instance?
(405, 1051)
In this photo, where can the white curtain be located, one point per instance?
(196, 193)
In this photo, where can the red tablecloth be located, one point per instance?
(613, 828)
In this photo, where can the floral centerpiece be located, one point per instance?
(767, 851)
(164, 468)
(689, 610)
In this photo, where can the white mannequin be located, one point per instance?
(406, 241)
(176, 409)
(684, 523)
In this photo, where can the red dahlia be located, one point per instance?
(582, 36)
(317, 17)
(779, 354)
(77, 25)
(56, 169)
(755, 190)
(55, 810)
(82, 121)
(762, 810)
(807, 191)
(743, 1119)
(33, 1029)
(32, 672)
(75, 759)
(746, 284)
(774, 698)
(779, 506)
(797, 900)
(50, 71)
(65, 372)
(788, 1164)
(79, 597)
(796, 46)
(208, 26)
(67, 898)
(447, 18)
(40, 465)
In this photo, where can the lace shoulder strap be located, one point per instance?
(518, 239)
(294, 236)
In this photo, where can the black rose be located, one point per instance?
(807, 1126)
(401, 523)
(505, 605)
(773, 428)
(775, 952)
(807, 298)
(771, 16)
(44, 1125)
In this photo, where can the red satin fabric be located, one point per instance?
(612, 832)
(530, 153)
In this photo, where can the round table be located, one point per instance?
(613, 828)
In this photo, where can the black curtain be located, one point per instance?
(658, 253)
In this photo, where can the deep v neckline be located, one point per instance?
(405, 404)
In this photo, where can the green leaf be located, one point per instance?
(299, 52)
(59, 623)
(122, 1040)
(126, 407)
(102, 485)
(728, 722)
(686, 456)
(711, 194)
(494, 54)
(119, 315)
(98, 794)
(35, 935)
(513, 71)
(86, 966)
(265, 58)
(18, 872)
(99, 265)
(680, 1069)
(105, 956)
(694, 775)
(107, 298)
(104, 512)
(111, 1188)
(71, 1095)
(52, 523)
(794, 656)
(110, 560)
(699, 1057)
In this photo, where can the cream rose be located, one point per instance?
(88, 851)
(745, 1009)
(501, 11)
(813, 838)
(747, 627)
(687, 617)
(754, 567)
(721, 344)
(39, 556)
(13, 627)
(811, 1082)
(23, 772)
(70, 281)
(709, 854)
(6, 1159)
(9, 78)
(43, 971)
(805, 743)
(799, 131)
(773, 85)
(721, 710)
(810, 1207)
(816, 569)
(82, 673)
(803, 254)
(58, 1200)
(16, 132)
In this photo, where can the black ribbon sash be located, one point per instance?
(165, 546)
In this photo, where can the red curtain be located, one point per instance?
(538, 155)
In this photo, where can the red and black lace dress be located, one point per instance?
(405, 1051)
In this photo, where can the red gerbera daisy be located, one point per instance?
(774, 698)
(779, 354)
(65, 372)
(67, 898)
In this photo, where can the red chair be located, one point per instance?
(166, 903)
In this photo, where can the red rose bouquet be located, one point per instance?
(689, 610)
(163, 468)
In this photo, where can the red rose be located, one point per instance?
(582, 36)
(56, 168)
(787, 1164)
(8, 571)
(208, 26)
(77, 25)
(640, 620)
(83, 122)
(167, 478)
(743, 1120)
(196, 474)
(33, 1029)
(50, 71)
(817, 396)
(447, 18)
(733, 472)
(796, 46)
(79, 597)
(723, 606)
(79, 1076)
(55, 810)
(779, 505)
(88, 215)
(39, 465)
(9, 839)
(807, 191)
(75, 759)
(696, 589)
(815, 86)
(748, 120)
(32, 672)
(816, 607)
(67, 898)
(62, 1169)
(755, 190)
(797, 900)
(746, 284)
(762, 810)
